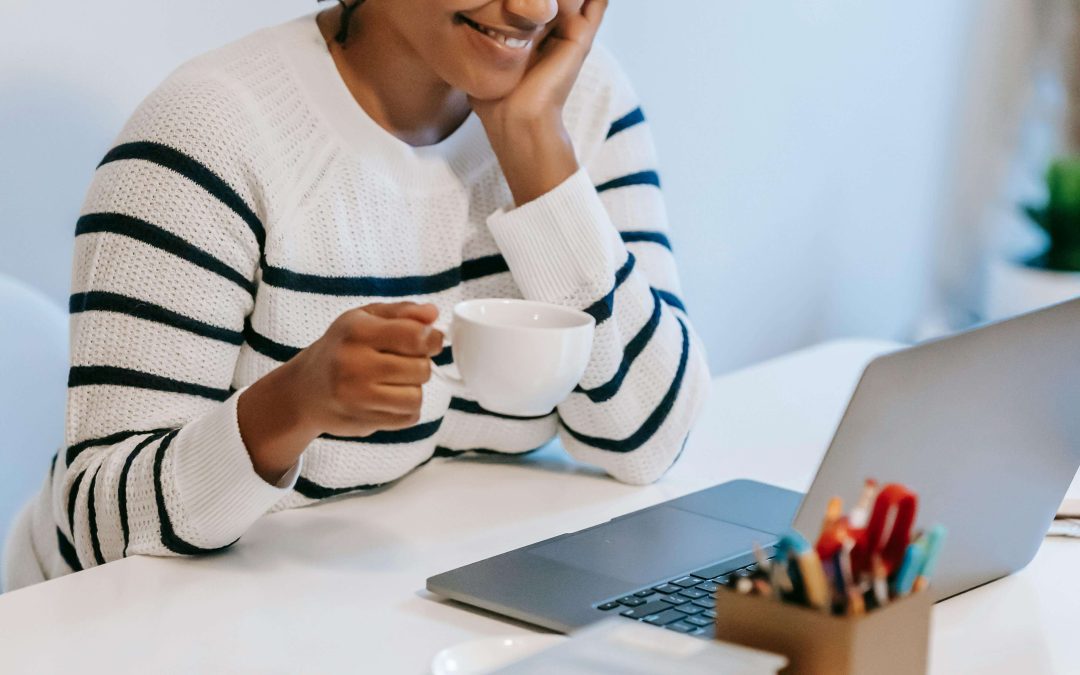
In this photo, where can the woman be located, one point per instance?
(311, 185)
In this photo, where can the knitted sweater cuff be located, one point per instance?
(559, 247)
(220, 492)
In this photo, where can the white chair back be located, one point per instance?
(33, 387)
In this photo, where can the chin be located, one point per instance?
(491, 89)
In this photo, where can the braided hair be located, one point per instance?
(347, 10)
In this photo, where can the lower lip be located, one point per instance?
(494, 50)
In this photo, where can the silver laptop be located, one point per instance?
(983, 425)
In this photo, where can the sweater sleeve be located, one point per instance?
(166, 252)
(599, 243)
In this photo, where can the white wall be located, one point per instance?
(808, 151)
(808, 147)
(71, 71)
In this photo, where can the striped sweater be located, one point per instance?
(247, 204)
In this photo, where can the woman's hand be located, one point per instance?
(363, 375)
(526, 127)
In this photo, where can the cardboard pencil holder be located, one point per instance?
(893, 640)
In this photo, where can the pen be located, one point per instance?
(934, 540)
(781, 581)
(881, 580)
(833, 512)
(815, 585)
(913, 562)
(861, 513)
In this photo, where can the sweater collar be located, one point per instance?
(451, 161)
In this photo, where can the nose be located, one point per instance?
(538, 12)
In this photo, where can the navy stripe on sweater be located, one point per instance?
(313, 490)
(121, 496)
(655, 419)
(73, 495)
(673, 300)
(413, 434)
(196, 172)
(441, 451)
(148, 233)
(474, 408)
(386, 287)
(84, 376)
(282, 352)
(68, 552)
(602, 309)
(627, 121)
(91, 518)
(169, 538)
(76, 449)
(267, 347)
(102, 301)
(640, 178)
(445, 357)
(646, 236)
(631, 351)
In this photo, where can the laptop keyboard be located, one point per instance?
(685, 604)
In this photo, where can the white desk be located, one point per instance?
(338, 587)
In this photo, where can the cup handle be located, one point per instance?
(446, 376)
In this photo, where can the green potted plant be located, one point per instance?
(1053, 275)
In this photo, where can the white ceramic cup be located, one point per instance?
(518, 357)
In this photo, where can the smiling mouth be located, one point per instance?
(502, 38)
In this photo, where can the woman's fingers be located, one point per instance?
(396, 369)
(426, 313)
(406, 337)
(581, 27)
(397, 400)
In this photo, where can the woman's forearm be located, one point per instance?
(536, 155)
(274, 425)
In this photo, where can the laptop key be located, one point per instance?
(631, 601)
(724, 580)
(680, 627)
(700, 632)
(674, 599)
(709, 613)
(664, 618)
(708, 586)
(689, 608)
(607, 606)
(707, 602)
(693, 593)
(654, 607)
(699, 621)
(645, 593)
(667, 589)
(687, 582)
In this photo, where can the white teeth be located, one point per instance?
(511, 42)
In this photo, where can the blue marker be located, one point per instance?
(934, 540)
(909, 569)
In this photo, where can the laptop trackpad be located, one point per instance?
(651, 545)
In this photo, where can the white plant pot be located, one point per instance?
(1014, 288)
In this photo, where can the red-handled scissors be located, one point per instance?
(889, 531)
